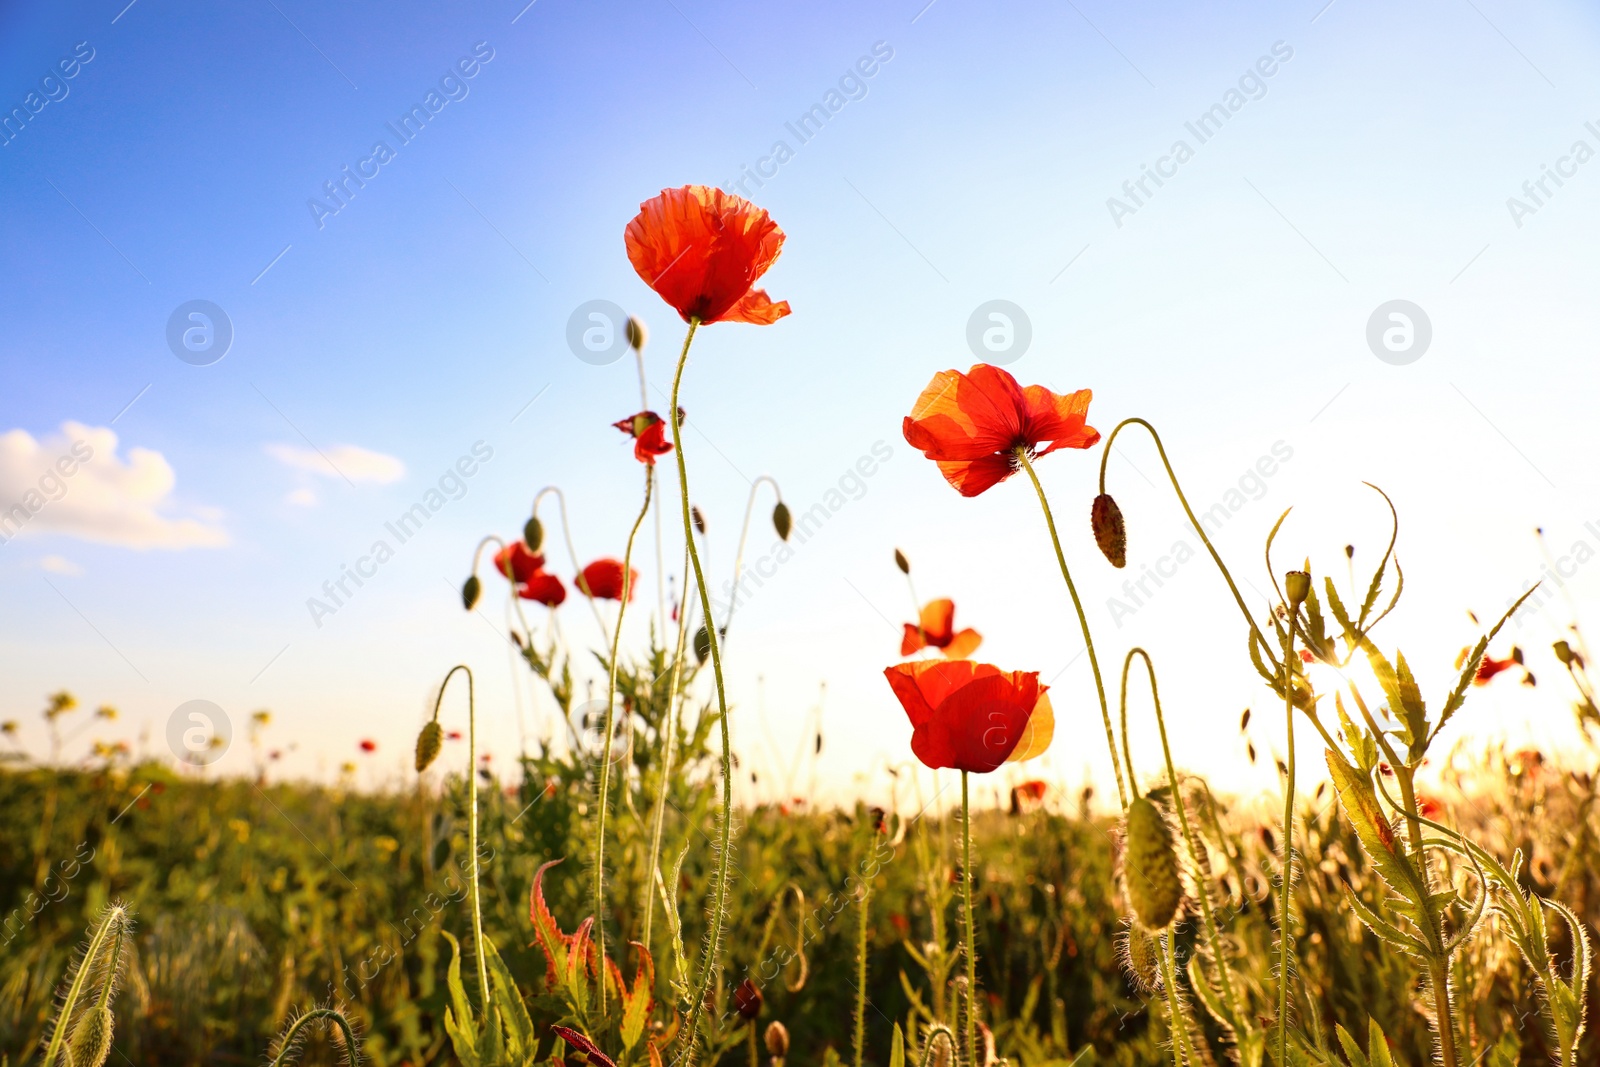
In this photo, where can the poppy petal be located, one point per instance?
(938, 617)
(755, 308)
(971, 477)
(963, 645)
(1039, 732)
(913, 641)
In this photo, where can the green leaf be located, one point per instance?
(522, 1041)
(459, 1023)
(897, 1051)
(1378, 1045)
(1352, 1050)
(1469, 671)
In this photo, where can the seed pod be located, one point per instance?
(1110, 532)
(747, 1000)
(901, 562)
(471, 590)
(429, 741)
(702, 645)
(533, 534)
(699, 519)
(1297, 586)
(781, 520)
(1150, 866)
(1141, 957)
(637, 334)
(777, 1038)
(91, 1039)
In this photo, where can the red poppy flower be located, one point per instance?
(649, 435)
(453, 735)
(935, 629)
(1491, 667)
(1028, 796)
(603, 579)
(369, 746)
(544, 587)
(972, 716)
(973, 424)
(517, 561)
(702, 250)
(1428, 807)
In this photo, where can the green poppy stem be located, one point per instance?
(971, 934)
(1083, 621)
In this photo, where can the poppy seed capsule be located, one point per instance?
(777, 1038)
(471, 589)
(91, 1039)
(901, 562)
(699, 519)
(702, 645)
(781, 520)
(1297, 587)
(429, 741)
(533, 534)
(1110, 532)
(1150, 866)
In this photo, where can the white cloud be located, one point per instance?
(73, 482)
(61, 565)
(348, 461)
(302, 498)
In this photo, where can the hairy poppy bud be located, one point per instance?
(702, 645)
(637, 334)
(777, 1038)
(699, 519)
(1150, 866)
(91, 1039)
(1141, 958)
(781, 520)
(471, 589)
(940, 1050)
(429, 741)
(1297, 586)
(901, 562)
(747, 1000)
(1110, 532)
(533, 534)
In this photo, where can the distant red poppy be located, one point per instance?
(649, 433)
(517, 561)
(369, 746)
(972, 716)
(1491, 667)
(544, 587)
(973, 424)
(453, 735)
(702, 250)
(603, 579)
(1028, 796)
(936, 629)
(1428, 807)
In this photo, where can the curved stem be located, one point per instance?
(725, 835)
(1285, 922)
(292, 1035)
(1187, 510)
(110, 926)
(572, 553)
(611, 729)
(744, 533)
(1189, 836)
(653, 868)
(472, 822)
(971, 937)
(1083, 621)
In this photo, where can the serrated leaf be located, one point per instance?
(1469, 671)
(520, 1035)
(1352, 1051)
(1362, 744)
(459, 1023)
(897, 1051)
(637, 1000)
(1378, 1045)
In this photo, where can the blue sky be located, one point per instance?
(977, 162)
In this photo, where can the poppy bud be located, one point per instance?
(429, 741)
(471, 589)
(1110, 532)
(91, 1038)
(1141, 958)
(702, 645)
(1565, 654)
(533, 534)
(637, 334)
(901, 562)
(1150, 866)
(747, 1000)
(699, 520)
(1297, 586)
(781, 520)
(777, 1038)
